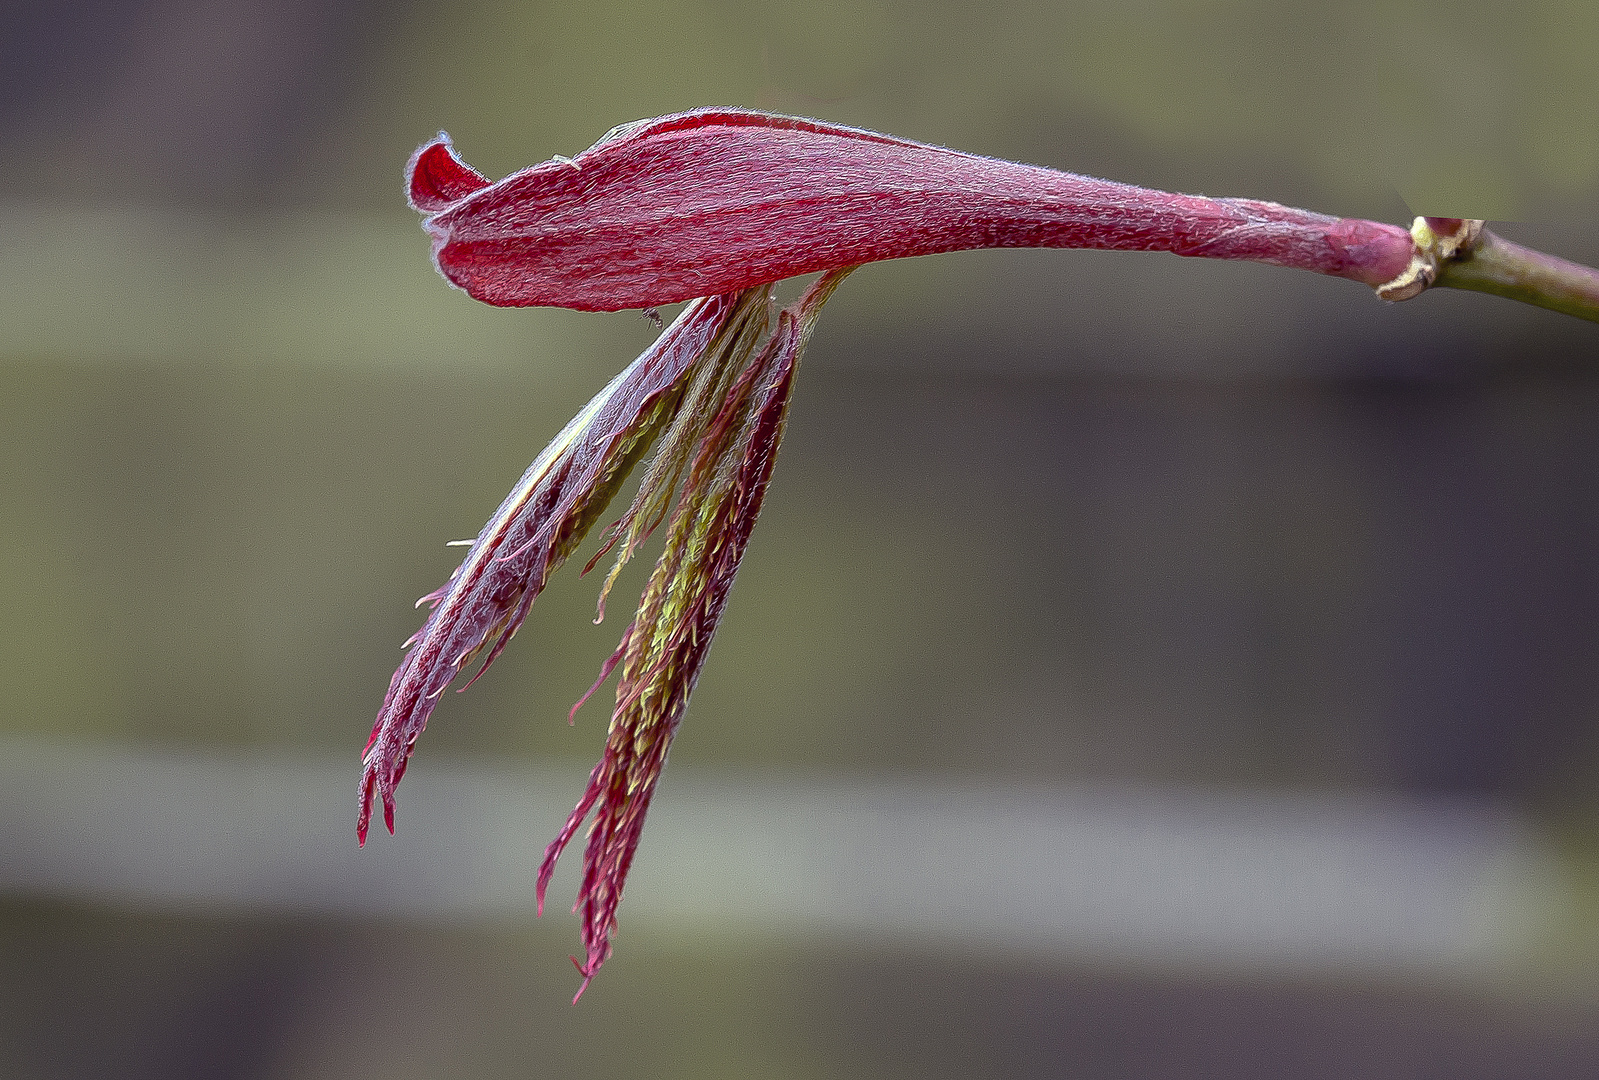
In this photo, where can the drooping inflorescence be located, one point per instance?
(713, 207)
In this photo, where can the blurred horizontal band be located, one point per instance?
(1276, 881)
(93, 285)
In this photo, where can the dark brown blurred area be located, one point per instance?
(158, 997)
(189, 103)
(1056, 518)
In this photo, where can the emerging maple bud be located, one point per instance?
(714, 206)
(716, 200)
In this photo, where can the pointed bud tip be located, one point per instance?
(435, 178)
(364, 817)
(588, 977)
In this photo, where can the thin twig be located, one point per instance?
(1495, 265)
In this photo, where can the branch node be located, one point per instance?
(1436, 241)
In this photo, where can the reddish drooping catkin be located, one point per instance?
(527, 539)
(717, 200)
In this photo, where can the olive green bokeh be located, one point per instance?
(1072, 516)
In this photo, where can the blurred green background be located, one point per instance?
(1055, 518)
